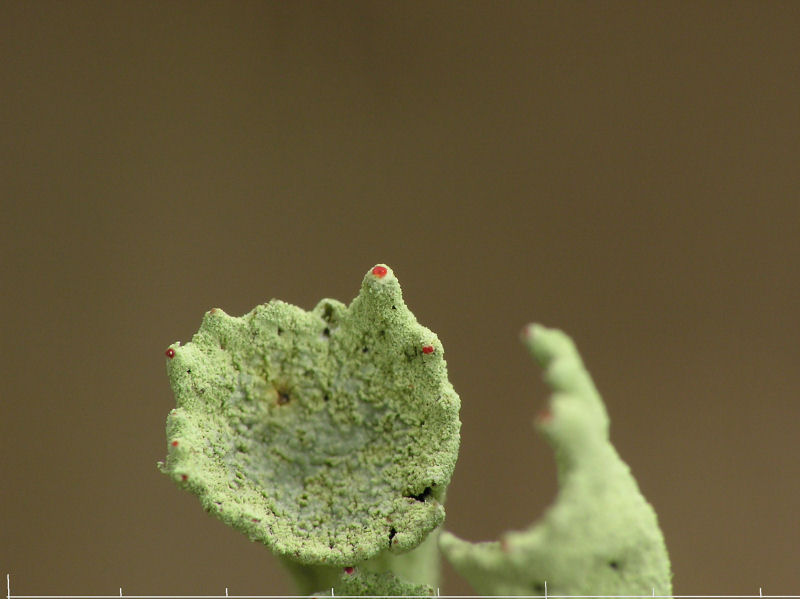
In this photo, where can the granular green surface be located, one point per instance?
(328, 435)
(385, 584)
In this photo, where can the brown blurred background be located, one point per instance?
(629, 172)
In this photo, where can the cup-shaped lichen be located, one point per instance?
(329, 436)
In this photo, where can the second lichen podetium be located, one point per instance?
(600, 537)
(330, 436)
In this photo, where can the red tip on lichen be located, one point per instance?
(427, 349)
(379, 271)
(349, 570)
(170, 353)
(174, 443)
(184, 477)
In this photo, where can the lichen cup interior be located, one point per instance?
(329, 436)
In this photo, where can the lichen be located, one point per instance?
(354, 582)
(600, 537)
(330, 435)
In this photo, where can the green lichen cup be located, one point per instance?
(330, 436)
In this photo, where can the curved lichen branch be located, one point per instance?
(600, 537)
(330, 435)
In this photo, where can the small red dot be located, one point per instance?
(379, 271)
(349, 570)
(255, 520)
(174, 443)
(170, 353)
(427, 349)
(184, 477)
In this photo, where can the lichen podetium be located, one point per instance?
(330, 436)
(600, 537)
